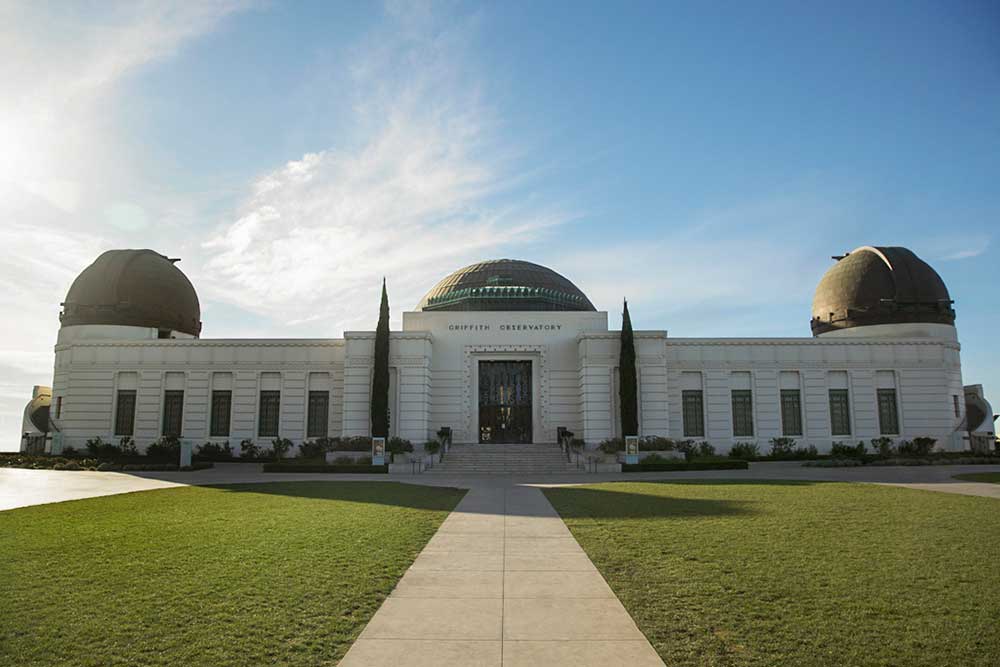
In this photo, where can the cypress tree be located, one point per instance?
(380, 379)
(627, 384)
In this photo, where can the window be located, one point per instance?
(125, 412)
(173, 412)
(791, 412)
(954, 399)
(317, 418)
(270, 404)
(58, 407)
(742, 412)
(694, 412)
(840, 412)
(888, 413)
(222, 401)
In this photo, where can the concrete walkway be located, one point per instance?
(503, 582)
(23, 488)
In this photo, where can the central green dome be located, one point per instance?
(505, 284)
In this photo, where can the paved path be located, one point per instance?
(503, 582)
(22, 488)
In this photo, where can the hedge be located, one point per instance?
(339, 468)
(694, 465)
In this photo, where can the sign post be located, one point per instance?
(378, 451)
(631, 449)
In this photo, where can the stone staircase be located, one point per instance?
(506, 459)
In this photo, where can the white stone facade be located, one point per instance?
(573, 356)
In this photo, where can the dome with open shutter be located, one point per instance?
(880, 285)
(138, 288)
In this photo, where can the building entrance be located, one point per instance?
(505, 413)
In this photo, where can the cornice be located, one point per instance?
(197, 342)
(704, 342)
(616, 335)
(393, 335)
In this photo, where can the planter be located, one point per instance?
(354, 456)
(414, 467)
(671, 454)
(597, 467)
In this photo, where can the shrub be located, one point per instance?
(704, 450)
(612, 445)
(281, 446)
(655, 458)
(249, 449)
(744, 450)
(213, 451)
(343, 460)
(432, 446)
(316, 449)
(921, 446)
(127, 446)
(656, 442)
(883, 447)
(364, 460)
(577, 443)
(168, 448)
(42, 462)
(98, 449)
(686, 447)
(807, 452)
(839, 450)
(70, 452)
(397, 445)
(781, 447)
(357, 443)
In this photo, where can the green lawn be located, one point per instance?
(989, 477)
(797, 573)
(263, 574)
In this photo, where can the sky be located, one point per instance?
(704, 160)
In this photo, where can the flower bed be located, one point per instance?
(65, 463)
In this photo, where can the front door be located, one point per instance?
(505, 401)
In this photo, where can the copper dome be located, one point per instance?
(137, 288)
(880, 285)
(505, 284)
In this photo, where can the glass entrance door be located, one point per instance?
(505, 401)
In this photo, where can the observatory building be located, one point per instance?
(506, 351)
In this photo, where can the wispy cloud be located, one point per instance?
(413, 196)
(966, 254)
(59, 63)
(712, 261)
